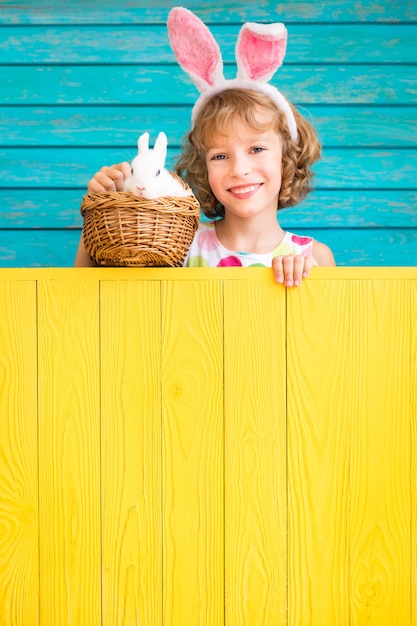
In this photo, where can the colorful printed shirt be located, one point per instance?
(207, 251)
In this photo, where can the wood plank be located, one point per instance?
(131, 452)
(413, 444)
(318, 453)
(366, 168)
(372, 388)
(69, 452)
(396, 247)
(255, 453)
(19, 545)
(119, 126)
(193, 274)
(370, 126)
(326, 208)
(354, 247)
(40, 208)
(144, 44)
(350, 168)
(379, 499)
(140, 11)
(168, 85)
(38, 248)
(333, 208)
(192, 423)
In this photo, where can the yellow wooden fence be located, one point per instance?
(206, 448)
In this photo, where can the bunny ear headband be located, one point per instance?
(260, 51)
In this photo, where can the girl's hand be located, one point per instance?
(290, 270)
(109, 178)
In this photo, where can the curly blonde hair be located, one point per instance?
(218, 115)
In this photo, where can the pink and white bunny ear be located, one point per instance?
(260, 50)
(195, 48)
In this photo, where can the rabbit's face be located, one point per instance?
(146, 177)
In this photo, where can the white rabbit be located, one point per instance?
(149, 178)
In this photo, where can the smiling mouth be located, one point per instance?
(244, 190)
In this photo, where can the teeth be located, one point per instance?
(244, 189)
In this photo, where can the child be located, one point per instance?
(249, 153)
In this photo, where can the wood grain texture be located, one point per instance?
(351, 247)
(193, 474)
(142, 44)
(365, 168)
(351, 476)
(41, 209)
(374, 246)
(131, 453)
(34, 248)
(62, 125)
(323, 208)
(19, 563)
(353, 208)
(319, 415)
(413, 444)
(161, 85)
(277, 484)
(69, 452)
(380, 478)
(255, 455)
(140, 11)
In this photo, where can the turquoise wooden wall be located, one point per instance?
(80, 80)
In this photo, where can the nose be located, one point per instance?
(140, 190)
(240, 165)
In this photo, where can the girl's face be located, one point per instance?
(244, 169)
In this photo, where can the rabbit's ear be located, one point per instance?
(195, 48)
(160, 147)
(143, 143)
(260, 50)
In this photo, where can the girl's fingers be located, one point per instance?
(310, 262)
(290, 270)
(278, 269)
(109, 178)
(293, 272)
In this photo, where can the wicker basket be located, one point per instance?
(120, 229)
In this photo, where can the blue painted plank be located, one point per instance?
(41, 248)
(370, 247)
(54, 126)
(367, 169)
(128, 85)
(149, 44)
(370, 126)
(40, 208)
(353, 208)
(327, 208)
(350, 247)
(143, 11)
(340, 168)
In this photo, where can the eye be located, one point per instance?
(257, 149)
(218, 157)
(158, 172)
